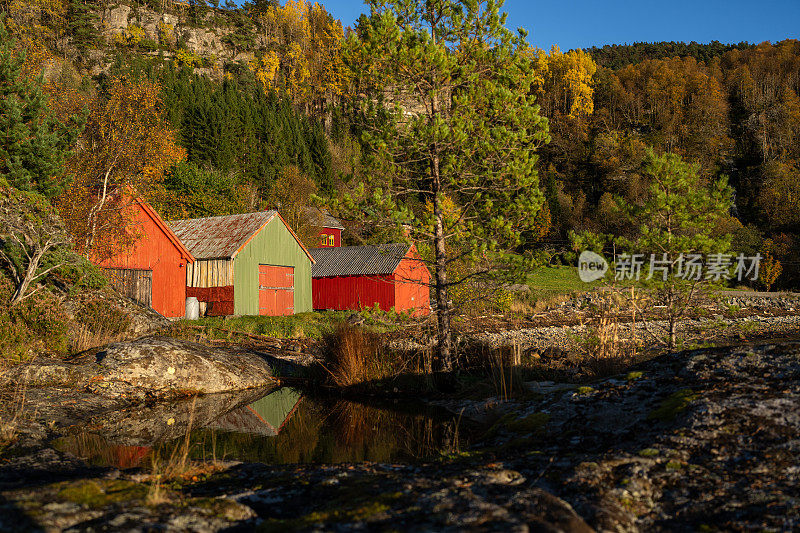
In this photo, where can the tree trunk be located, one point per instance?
(672, 318)
(672, 321)
(444, 338)
(30, 275)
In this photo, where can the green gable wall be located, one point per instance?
(273, 245)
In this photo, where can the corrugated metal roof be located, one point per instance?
(357, 260)
(219, 237)
(323, 218)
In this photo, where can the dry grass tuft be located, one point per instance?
(606, 352)
(503, 365)
(82, 338)
(545, 303)
(354, 355)
(97, 323)
(520, 308)
(176, 465)
(12, 404)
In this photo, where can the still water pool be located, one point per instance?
(280, 426)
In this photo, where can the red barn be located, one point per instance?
(356, 277)
(153, 270)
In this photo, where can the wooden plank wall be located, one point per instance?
(136, 284)
(155, 251)
(209, 273)
(353, 292)
(274, 245)
(214, 301)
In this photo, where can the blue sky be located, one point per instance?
(583, 23)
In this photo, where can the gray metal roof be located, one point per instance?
(219, 237)
(323, 218)
(357, 260)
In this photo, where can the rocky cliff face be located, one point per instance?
(171, 34)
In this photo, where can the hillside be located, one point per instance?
(261, 108)
(616, 56)
(94, 34)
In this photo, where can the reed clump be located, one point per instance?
(355, 355)
(610, 347)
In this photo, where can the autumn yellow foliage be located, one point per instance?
(563, 82)
(37, 26)
(131, 36)
(124, 151)
(305, 56)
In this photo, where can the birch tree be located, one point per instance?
(33, 240)
(126, 146)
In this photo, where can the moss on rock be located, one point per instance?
(673, 405)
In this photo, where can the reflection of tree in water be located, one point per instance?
(364, 433)
(330, 431)
(282, 427)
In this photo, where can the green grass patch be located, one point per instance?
(585, 390)
(313, 325)
(548, 282)
(551, 282)
(673, 405)
(633, 376)
(648, 452)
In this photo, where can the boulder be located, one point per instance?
(150, 367)
(166, 366)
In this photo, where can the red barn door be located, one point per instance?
(275, 290)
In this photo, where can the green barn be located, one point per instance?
(249, 264)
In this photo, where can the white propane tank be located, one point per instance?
(192, 308)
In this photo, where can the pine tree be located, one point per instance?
(679, 217)
(33, 143)
(33, 147)
(457, 165)
(82, 23)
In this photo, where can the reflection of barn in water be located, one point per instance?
(266, 416)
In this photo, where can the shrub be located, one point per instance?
(148, 45)
(97, 322)
(36, 324)
(82, 274)
(131, 36)
(187, 58)
(99, 316)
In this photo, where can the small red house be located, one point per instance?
(153, 270)
(356, 277)
(330, 229)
